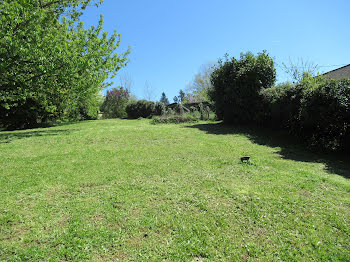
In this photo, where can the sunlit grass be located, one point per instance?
(128, 190)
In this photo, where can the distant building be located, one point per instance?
(339, 73)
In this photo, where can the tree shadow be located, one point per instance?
(9, 136)
(290, 147)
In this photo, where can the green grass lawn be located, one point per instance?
(127, 190)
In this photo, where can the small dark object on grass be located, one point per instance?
(245, 159)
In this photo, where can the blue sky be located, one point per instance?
(171, 39)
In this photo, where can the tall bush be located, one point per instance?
(316, 110)
(140, 108)
(115, 103)
(324, 114)
(281, 105)
(159, 108)
(236, 85)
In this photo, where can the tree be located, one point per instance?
(148, 92)
(50, 64)
(126, 81)
(181, 96)
(176, 99)
(236, 86)
(200, 85)
(115, 103)
(300, 69)
(164, 99)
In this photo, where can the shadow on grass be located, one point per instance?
(290, 148)
(8, 136)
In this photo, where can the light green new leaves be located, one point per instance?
(47, 57)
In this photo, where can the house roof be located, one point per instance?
(339, 73)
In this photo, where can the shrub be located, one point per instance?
(140, 108)
(115, 103)
(174, 119)
(324, 114)
(204, 112)
(27, 115)
(169, 112)
(236, 86)
(181, 110)
(317, 111)
(159, 108)
(280, 105)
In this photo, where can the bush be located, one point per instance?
(169, 112)
(87, 109)
(317, 111)
(181, 114)
(236, 87)
(280, 105)
(324, 114)
(115, 103)
(26, 115)
(159, 108)
(140, 108)
(174, 119)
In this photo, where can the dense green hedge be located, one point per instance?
(316, 110)
(280, 105)
(140, 108)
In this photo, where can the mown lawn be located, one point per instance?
(127, 190)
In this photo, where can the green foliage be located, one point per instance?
(115, 103)
(236, 86)
(181, 109)
(198, 88)
(164, 99)
(169, 111)
(180, 114)
(87, 109)
(204, 111)
(159, 108)
(181, 96)
(324, 115)
(173, 119)
(280, 105)
(316, 110)
(51, 65)
(140, 108)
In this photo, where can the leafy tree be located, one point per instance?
(197, 90)
(115, 103)
(176, 99)
(164, 99)
(236, 85)
(49, 63)
(181, 96)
